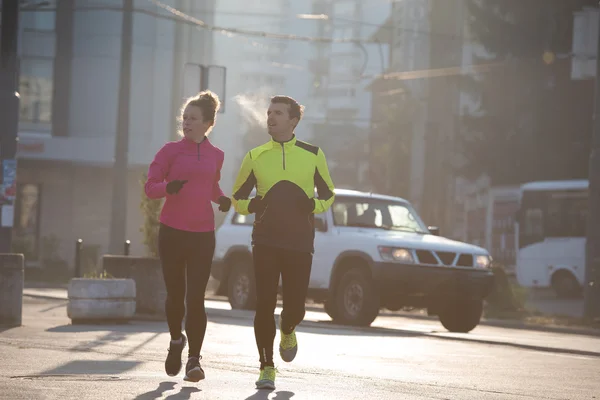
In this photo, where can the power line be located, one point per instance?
(429, 73)
(179, 16)
(189, 19)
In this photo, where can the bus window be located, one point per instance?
(554, 222)
(532, 227)
(576, 212)
(534, 223)
(566, 215)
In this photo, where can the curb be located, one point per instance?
(507, 324)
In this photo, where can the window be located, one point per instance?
(567, 215)
(374, 213)
(533, 223)
(35, 88)
(576, 215)
(38, 20)
(559, 214)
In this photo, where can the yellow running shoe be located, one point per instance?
(266, 380)
(288, 346)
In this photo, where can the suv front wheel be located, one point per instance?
(357, 302)
(461, 315)
(241, 289)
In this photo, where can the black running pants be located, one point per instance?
(294, 268)
(186, 259)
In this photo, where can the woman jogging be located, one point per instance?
(187, 173)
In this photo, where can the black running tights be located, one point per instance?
(186, 259)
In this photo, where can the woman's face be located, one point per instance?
(193, 124)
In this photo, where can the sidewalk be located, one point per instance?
(218, 305)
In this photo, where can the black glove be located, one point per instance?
(224, 203)
(175, 186)
(305, 204)
(256, 204)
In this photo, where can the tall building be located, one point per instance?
(339, 95)
(69, 84)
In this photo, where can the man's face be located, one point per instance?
(279, 121)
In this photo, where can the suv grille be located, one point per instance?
(426, 257)
(446, 257)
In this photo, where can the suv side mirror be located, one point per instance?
(434, 230)
(320, 225)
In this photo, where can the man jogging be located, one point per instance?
(285, 172)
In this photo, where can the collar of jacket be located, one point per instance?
(189, 142)
(273, 145)
(278, 145)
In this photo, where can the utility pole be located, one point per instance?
(9, 117)
(592, 265)
(118, 223)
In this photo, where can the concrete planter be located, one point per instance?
(147, 274)
(101, 299)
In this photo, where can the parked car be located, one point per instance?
(371, 252)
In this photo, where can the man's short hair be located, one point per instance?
(296, 110)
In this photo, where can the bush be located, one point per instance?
(507, 297)
(151, 213)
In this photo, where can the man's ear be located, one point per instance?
(295, 121)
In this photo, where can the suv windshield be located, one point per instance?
(376, 213)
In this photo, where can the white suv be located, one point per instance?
(371, 251)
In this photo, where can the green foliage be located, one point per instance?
(507, 297)
(151, 212)
(98, 275)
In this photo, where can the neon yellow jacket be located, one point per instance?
(285, 176)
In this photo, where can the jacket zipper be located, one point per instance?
(283, 149)
(198, 147)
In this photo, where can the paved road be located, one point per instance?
(400, 358)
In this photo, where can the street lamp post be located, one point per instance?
(9, 117)
(592, 267)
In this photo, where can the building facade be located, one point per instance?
(70, 57)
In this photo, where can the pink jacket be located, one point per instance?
(198, 163)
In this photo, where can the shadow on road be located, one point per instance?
(184, 394)
(327, 327)
(124, 328)
(157, 393)
(54, 307)
(264, 395)
(324, 327)
(7, 327)
(94, 367)
(115, 332)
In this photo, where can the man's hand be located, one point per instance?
(224, 203)
(175, 186)
(256, 204)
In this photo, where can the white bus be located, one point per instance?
(551, 235)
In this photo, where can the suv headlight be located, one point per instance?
(482, 261)
(396, 254)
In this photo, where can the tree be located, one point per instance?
(533, 121)
(390, 141)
